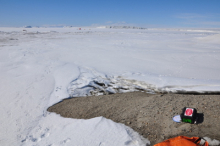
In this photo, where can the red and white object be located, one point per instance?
(189, 112)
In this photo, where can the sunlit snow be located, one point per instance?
(41, 66)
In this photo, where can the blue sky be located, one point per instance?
(146, 13)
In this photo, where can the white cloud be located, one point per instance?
(54, 25)
(199, 20)
(117, 23)
(108, 22)
(190, 16)
(211, 23)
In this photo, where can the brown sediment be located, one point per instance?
(148, 114)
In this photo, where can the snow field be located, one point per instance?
(41, 66)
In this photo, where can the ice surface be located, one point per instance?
(41, 66)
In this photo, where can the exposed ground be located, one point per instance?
(148, 114)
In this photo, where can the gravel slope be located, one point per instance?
(148, 114)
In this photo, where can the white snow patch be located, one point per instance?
(66, 131)
(211, 141)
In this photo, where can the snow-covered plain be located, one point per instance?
(41, 66)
